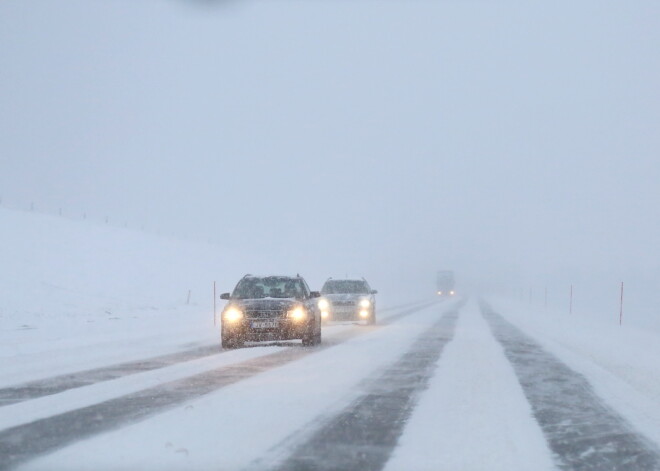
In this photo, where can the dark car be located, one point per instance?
(271, 308)
(346, 299)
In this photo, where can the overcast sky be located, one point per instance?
(362, 136)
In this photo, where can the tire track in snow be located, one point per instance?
(61, 383)
(24, 442)
(583, 432)
(363, 435)
(400, 315)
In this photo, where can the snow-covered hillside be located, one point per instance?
(85, 292)
(87, 269)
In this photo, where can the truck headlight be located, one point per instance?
(232, 314)
(297, 314)
(324, 304)
(365, 303)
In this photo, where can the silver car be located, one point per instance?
(348, 299)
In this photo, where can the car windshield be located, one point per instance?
(345, 287)
(269, 287)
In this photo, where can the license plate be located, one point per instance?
(345, 312)
(265, 325)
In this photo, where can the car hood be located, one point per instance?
(263, 304)
(345, 297)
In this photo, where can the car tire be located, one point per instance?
(231, 342)
(372, 318)
(313, 338)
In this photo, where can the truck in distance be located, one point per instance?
(445, 283)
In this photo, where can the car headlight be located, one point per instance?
(324, 304)
(297, 314)
(365, 303)
(451, 292)
(232, 314)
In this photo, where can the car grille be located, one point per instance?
(264, 314)
(344, 303)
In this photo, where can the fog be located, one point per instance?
(514, 142)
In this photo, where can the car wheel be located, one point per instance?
(231, 342)
(312, 338)
(372, 318)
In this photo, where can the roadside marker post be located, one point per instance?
(621, 306)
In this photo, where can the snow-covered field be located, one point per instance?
(78, 296)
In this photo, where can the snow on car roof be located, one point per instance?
(272, 276)
(344, 278)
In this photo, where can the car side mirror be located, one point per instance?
(374, 291)
(314, 294)
(224, 296)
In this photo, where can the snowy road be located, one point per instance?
(363, 435)
(583, 432)
(57, 384)
(441, 385)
